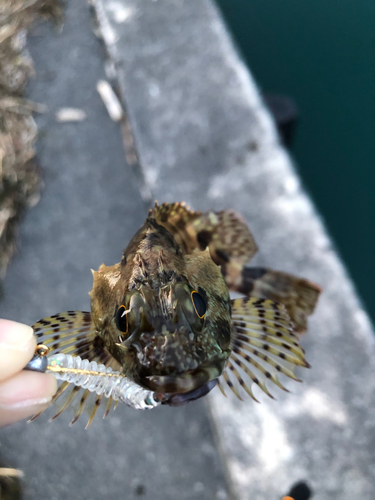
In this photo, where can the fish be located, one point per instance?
(163, 315)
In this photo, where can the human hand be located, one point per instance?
(22, 393)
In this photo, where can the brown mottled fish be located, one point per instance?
(163, 316)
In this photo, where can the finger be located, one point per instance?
(17, 346)
(25, 394)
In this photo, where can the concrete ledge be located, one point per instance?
(204, 136)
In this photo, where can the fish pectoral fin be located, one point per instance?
(298, 295)
(71, 332)
(263, 344)
(74, 333)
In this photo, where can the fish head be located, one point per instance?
(171, 336)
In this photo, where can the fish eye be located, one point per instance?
(199, 304)
(122, 320)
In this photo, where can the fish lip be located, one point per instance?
(186, 382)
(187, 397)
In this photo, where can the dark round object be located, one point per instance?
(183, 399)
(300, 491)
(199, 304)
(122, 320)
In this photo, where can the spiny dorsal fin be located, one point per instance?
(176, 218)
(227, 236)
(172, 212)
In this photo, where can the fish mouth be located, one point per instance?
(187, 397)
(173, 363)
(191, 384)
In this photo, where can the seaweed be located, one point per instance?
(19, 172)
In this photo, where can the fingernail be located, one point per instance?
(11, 415)
(15, 335)
(25, 403)
(27, 389)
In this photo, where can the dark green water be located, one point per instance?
(322, 53)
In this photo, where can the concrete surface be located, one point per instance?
(90, 207)
(204, 136)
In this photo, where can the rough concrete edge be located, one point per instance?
(109, 38)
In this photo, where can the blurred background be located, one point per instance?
(322, 55)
